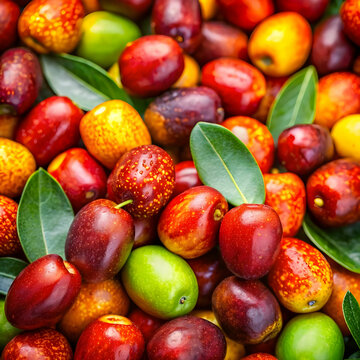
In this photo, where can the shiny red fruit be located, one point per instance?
(350, 12)
(145, 231)
(249, 240)
(9, 15)
(42, 293)
(186, 177)
(50, 128)
(311, 10)
(150, 65)
(259, 356)
(82, 178)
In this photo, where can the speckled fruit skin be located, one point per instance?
(20, 79)
(100, 240)
(187, 337)
(285, 193)
(256, 137)
(350, 16)
(133, 9)
(338, 96)
(240, 85)
(31, 302)
(145, 175)
(331, 50)
(209, 270)
(111, 129)
(110, 337)
(303, 148)
(16, 165)
(333, 193)
(80, 176)
(44, 344)
(9, 15)
(50, 128)
(244, 13)
(221, 40)
(92, 302)
(9, 240)
(186, 177)
(190, 222)
(301, 278)
(249, 240)
(150, 65)
(271, 40)
(247, 311)
(171, 116)
(312, 10)
(183, 25)
(57, 25)
(259, 356)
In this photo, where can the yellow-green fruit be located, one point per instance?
(114, 73)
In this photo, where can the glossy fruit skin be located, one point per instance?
(50, 128)
(9, 240)
(311, 10)
(247, 311)
(100, 240)
(301, 278)
(338, 96)
(303, 148)
(221, 40)
(20, 79)
(190, 76)
(16, 165)
(240, 85)
(186, 177)
(189, 224)
(92, 302)
(337, 185)
(111, 129)
(149, 165)
(57, 28)
(104, 36)
(249, 240)
(246, 14)
(141, 61)
(270, 54)
(110, 337)
(350, 12)
(145, 231)
(44, 344)
(285, 193)
(183, 25)
(187, 337)
(259, 356)
(331, 50)
(159, 282)
(346, 137)
(30, 302)
(9, 15)
(312, 337)
(172, 115)
(80, 176)
(133, 9)
(256, 137)
(7, 331)
(209, 270)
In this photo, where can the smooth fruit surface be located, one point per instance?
(190, 76)
(312, 10)
(133, 9)
(186, 177)
(9, 15)
(7, 331)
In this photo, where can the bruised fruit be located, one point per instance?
(190, 222)
(312, 10)
(92, 302)
(285, 193)
(9, 15)
(111, 129)
(188, 337)
(186, 177)
(247, 311)
(171, 116)
(301, 278)
(249, 240)
(110, 337)
(42, 293)
(16, 165)
(100, 240)
(333, 193)
(44, 344)
(350, 12)
(146, 176)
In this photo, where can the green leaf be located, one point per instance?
(225, 163)
(84, 82)
(9, 270)
(342, 244)
(295, 103)
(333, 8)
(351, 310)
(44, 217)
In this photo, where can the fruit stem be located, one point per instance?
(319, 202)
(127, 202)
(218, 215)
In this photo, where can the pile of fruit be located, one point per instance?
(179, 179)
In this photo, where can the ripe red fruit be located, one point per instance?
(259, 356)
(350, 12)
(311, 10)
(145, 231)
(9, 15)
(186, 177)
(42, 293)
